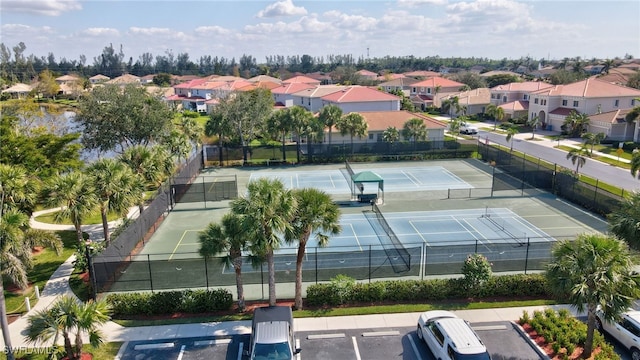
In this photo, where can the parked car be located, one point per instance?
(468, 129)
(449, 337)
(272, 334)
(626, 330)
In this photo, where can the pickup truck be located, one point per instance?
(272, 334)
(468, 129)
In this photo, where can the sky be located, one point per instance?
(494, 29)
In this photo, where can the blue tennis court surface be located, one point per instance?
(395, 179)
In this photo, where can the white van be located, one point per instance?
(449, 337)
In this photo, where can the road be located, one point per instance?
(544, 150)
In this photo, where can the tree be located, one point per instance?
(70, 319)
(114, 118)
(300, 120)
(454, 126)
(230, 238)
(267, 210)
(391, 135)
(593, 139)
(635, 164)
(496, 112)
(316, 215)
(47, 85)
(634, 80)
(624, 222)
(18, 190)
(177, 144)
(278, 124)
(352, 124)
(414, 129)
(153, 164)
(476, 270)
(162, 79)
(75, 194)
(576, 123)
(578, 156)
(220, 126)
(533, 123)
(330, 115)
(449, 104)
(593, 271)
(117, 188)
(511, 132)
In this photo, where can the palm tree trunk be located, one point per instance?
(299, 258)
(284, 149)
(271, 266)
(330, 127)
(591, 325)
(67, 346)
(220, 158)
(237, 266)
(79, 236)
(4, 323)
(105, 225)
(78, 344)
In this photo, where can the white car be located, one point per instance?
(626, 330)
(468, 129)
(449, 337)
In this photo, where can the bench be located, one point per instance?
(367, 198)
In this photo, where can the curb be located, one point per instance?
(543, 355)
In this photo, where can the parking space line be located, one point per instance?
(414, 347)
(298, 347)
(325, 336)
(355, 347)
(240, 350)
(381, 333)
(212, 342)
(153, 346)
(181, 352)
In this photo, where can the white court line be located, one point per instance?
(355, 347)
(332, 183)
(419, 233)
(410, 178)
(181, 352)
(153, 346)
(414, 347)
(355, 236)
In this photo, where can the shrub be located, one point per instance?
(169, 302)
(476, 270)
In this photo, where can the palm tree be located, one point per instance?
(624, 222)
(576, 123)
(231, 239)
(593, 139)
(533, 123)
(154, 164)
(635, 164)
(454, 126)
(117, 187)
(19, 190)
(497, 113)
(511, 132)
(278, 123)
(316, 215)
(352, 124)
(436, 90)
(300, 120)
(578, 156)
(593, 271)
(65, 317)
(75, 194)
(414, 129)
(177, 144)
(449, 104)
(267, 211)
(330, 115)
(219, 125)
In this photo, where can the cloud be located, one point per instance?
(152, 31)
(18, 30)
(418, 3)
(212, 30)
(101, 32)
(281, 8)
(40, 7)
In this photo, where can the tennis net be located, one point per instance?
(499, 222)
(349, 169)
(398, 255)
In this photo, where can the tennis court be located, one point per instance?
(336, 181)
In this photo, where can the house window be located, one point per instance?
(575, 104)
(413, 90)
(564, 102)
(504, 99)
(543, 102)
(302, 101)
(535, 101)
(421, 89)
(616, 103)
(525, 97)
(633, 102)
(370, 136)
(428, 90)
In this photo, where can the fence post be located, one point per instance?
(262, 279)
(150, 276)
(204, 193)
(206, 271)
(475, 251)
(526, 257)
(316, 265)
(424, 271)
(595, 195)
(369, 263)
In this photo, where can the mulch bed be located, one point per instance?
(548, 348)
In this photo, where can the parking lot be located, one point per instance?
(500, 338)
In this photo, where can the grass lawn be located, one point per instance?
(44, 264)
(95, 218)
(603, 159)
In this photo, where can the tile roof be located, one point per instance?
(359, 94)
(291, 88)
(422, 73)
(589, 88)
(366, 73)
(613, 117)
(405, 81)
(301, 79)
(259, 85)
(561, 111)
(263, 78)
(381, 120)
(438, 81)
(124, 79)
(99, 77)
(18, 88)
(526, 86)
(319, 91)
(477, 96)
(499, 72)
(67, 78)
(518, 105)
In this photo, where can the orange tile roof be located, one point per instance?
(518, 105)
(320, 91)
(301, 79)
(614, 117)
(381, 120)
(422, 73)
(526, 86)
(438, 81)
(359, 94)
(291, 88)
(589, 88)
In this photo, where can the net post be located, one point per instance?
(526, 257)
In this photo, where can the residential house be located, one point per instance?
(98, 79)
(311, 98)
(361, 98)
(124, 80)
(387, 76)
(513, 98)
(619, 75)
(324, 78)
(474, 101)
(421, 74)
(499, 72)
(401, 84)
(193, 95)
(264, 78)
(429, 92)
(379, 121)
(147, 79)
(614, 125)
(283, 94)
(69, 84)
(367, 75)
(590, 96)
(19, 90)
(301, 79)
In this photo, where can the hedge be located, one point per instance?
(169, 302)
(345, 292)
